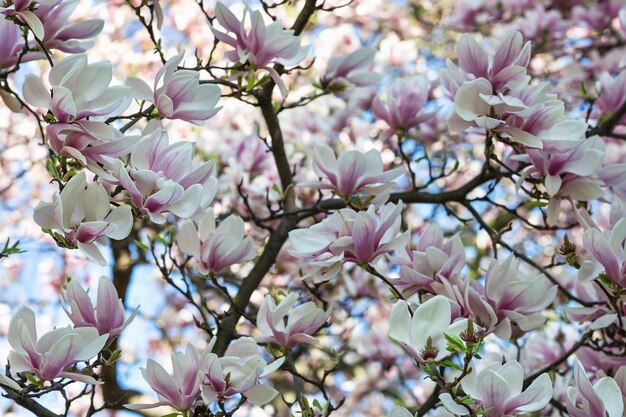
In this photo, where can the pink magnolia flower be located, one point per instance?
(60, 33)
(216, 248)
(350, 70)
(180, 96)
(261, 45)
(349, 236)
(302, 321)
(602, 399)
(93, 144)
(49, 357)
(421, 333)
(353, 173)
(79, 90)
(612, 92)
(11, 45)
(498, 389)
(401, 104)
(178, 390)
(609, 250)
(21, 9)
(431, 260)
(107, 317)
(163, 178)
(238, 372)
(514, 300)
(508, 64)
(83, 215)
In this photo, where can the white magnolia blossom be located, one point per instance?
(82, 213)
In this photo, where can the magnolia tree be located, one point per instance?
(346, 208)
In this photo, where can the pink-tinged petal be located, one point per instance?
(472, 58)
(66, 67)
(596, 243)
(521, 136)
(80, 378)
(508, 51)
(431, 319)
(35, 92)
(26, 316)
(494, 391)
(45, 216)
(80, 302)
(260, 394)
(9, 382)
(227, 19)
(90, 231)
(534, 398)
(110, 311)
(467, 103)
(84, 29)
(61, 355)
(272, 367)
(187, 239)
(242, 347)
(161, 382)
(63, 105)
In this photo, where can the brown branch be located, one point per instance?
(30, 404)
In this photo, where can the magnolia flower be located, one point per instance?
(260, 45)
(91, 143)
(163, 178)
(49, 357)
(349, 236)
(178, 390)
(79, 90)
(303, 321)
(238, 372)
(431, 260)
(82, 213)
(609, 250)
(515, 300)
(21, 9)
(498, 389)
(603, 399)
(350, 70)
(216, 248)
(60, 32)
(11, 44)
(181, 96)
(422, 335)
(107, 317)
(401, 105)
(352, 173)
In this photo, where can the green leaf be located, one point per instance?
(455, 344)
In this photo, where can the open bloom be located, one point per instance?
(350, 70)
(238, 372)
(302, 321)
(21, 10)
(401, 105)
(432, 259)
(163, 178)
(609, 250)
(61, 32)
(353, 173)
(108, 315)
(215, 248)
(11, 44)
(49, 357)
(79, 90)
(91, 143)
(602, 399)
(261, 45)
(83, 214)
(179, 390)
(422, 334)
(180, 96)
(349, 236)
(516, 301)
(498, 389)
